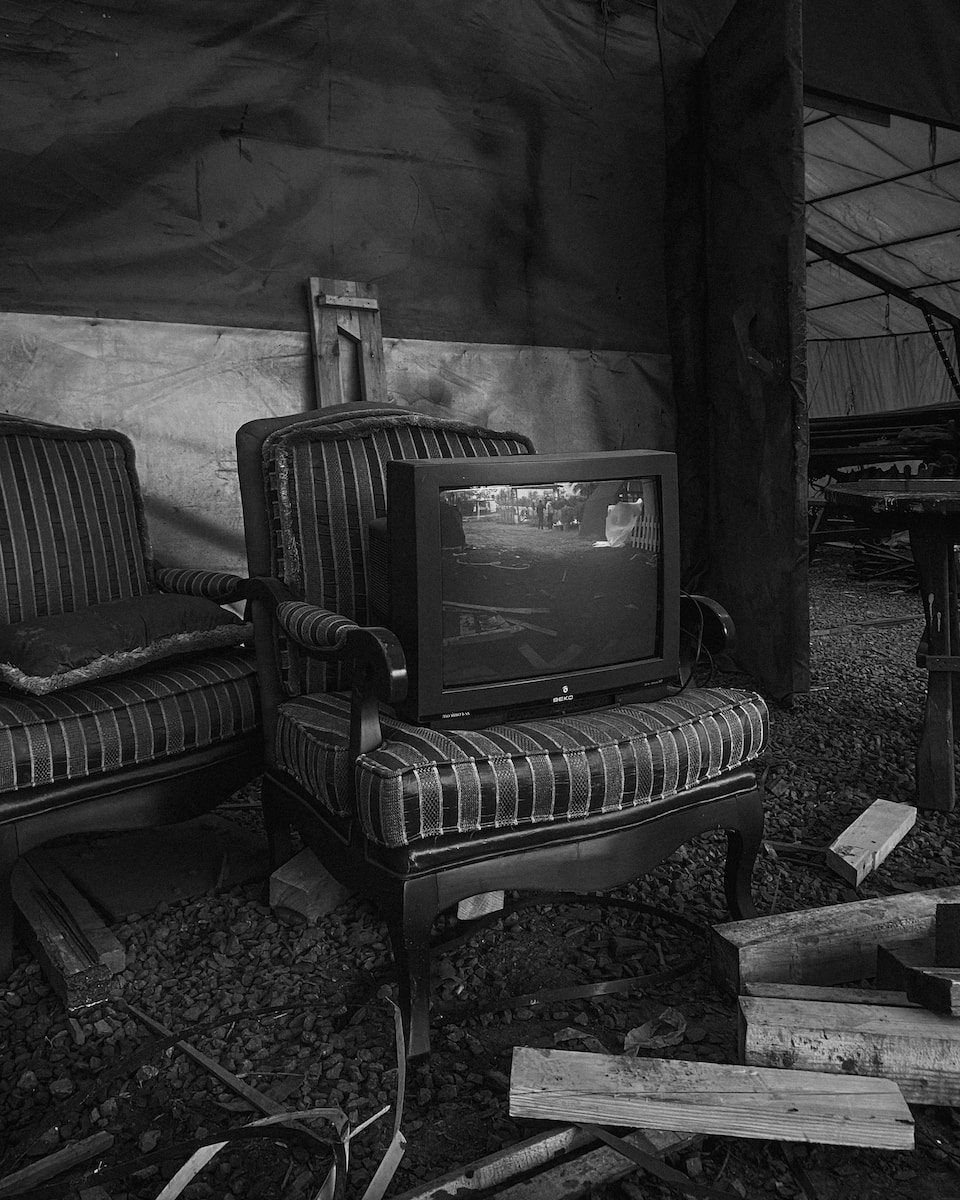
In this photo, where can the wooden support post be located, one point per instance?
(915, 1049)
(834, 944)
(866, 843)
(700, 1097)
(304, 886)
(77, 952)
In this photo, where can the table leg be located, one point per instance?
(933, 551)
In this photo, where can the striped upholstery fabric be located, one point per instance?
(312, 625)
(329, 479)
(71, 520)
(423, 783)
(219, 586)
(126, 720)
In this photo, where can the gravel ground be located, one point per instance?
(208, 969)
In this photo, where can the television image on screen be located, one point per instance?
(524, 584)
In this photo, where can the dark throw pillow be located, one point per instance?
(46, 654)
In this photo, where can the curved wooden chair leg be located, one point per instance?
(9, 853)
(743, 844)
(410, 924)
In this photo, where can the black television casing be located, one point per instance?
(405, 588)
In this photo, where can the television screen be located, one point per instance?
(548, 578)
(519, 583)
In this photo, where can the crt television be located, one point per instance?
(528, 585)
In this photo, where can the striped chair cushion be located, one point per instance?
(423, 783)
(115, 723)
(71, 520)
(330, 481)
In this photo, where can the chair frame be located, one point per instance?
(412, 884)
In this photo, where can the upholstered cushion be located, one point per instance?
(47, 654)
(423, 783)
(121, 722)
(71, 519)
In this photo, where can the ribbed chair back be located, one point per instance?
(326, 481)
(71, 520)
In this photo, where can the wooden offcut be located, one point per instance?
(936, 988)
(347, 342)
(76, 951)
(712, 1098)
(946, 941)
(869, 840)
(303, 885)
(914, 1048)
(834, 944)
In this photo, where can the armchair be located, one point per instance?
(418, 819)
(127, 697)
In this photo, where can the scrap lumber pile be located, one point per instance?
(785, 970)
(927, 433)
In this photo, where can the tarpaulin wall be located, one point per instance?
(735, 272)
(173, 173)
(497, 169)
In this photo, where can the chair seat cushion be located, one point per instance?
(116, 723)
(424, 783)
(61, 650)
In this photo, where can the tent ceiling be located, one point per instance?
(888, 199)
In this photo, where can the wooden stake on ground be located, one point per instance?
(869, 840)
(303, 885)
(915, 1049)
(833, 944)
(700, 1097)
(52, 1165)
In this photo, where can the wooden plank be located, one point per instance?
(347, 342)
(67, 959)
(584, 1165)
(700, 1097)
(916, 1049)
(833, 944)
(55, 1164)
(936, 988)
(869, 840)
(893, 966)
(101, 938)
(577, 1177)
(946, 940)
(303, 885)
(832, 995)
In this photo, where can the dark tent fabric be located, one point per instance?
(893, 55)
(499, 170)
(177, 161)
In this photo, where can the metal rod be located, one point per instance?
(863, 187)
(878, 281)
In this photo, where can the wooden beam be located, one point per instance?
(834, 944)
(713, 1098)
(52, 1165)
(936, 988)
(59, 942)
(304, 886)
(869, 840)
(916, 1049)
(831, 995)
